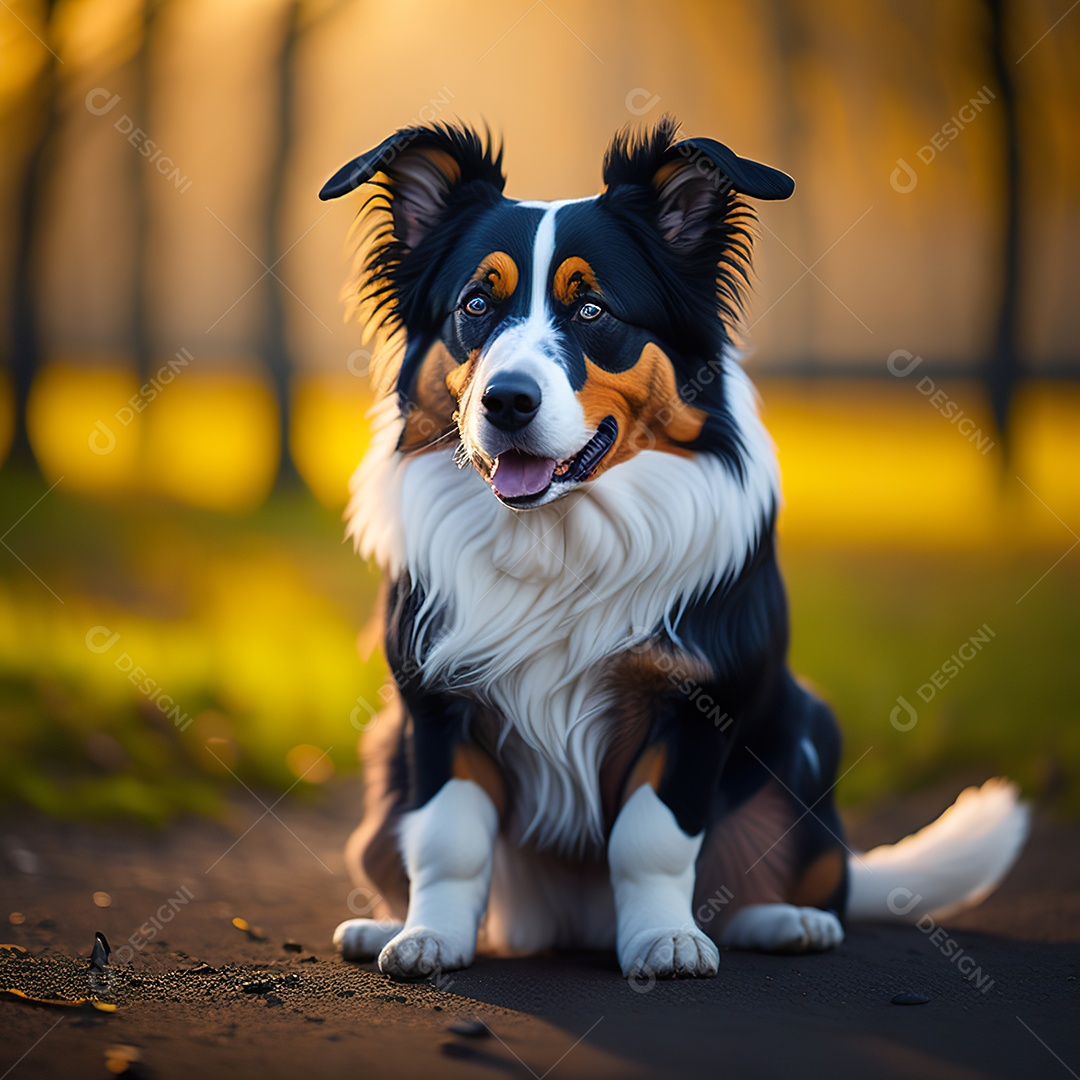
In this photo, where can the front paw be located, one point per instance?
(669, 954)
(363, 939)
(420, 953)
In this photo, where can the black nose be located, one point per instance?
(511, 400)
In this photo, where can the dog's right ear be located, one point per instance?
(426, 170)
(694, 183)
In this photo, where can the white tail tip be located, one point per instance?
(952, 864)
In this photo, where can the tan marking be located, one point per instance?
(472, 763)
(500, 272)
(666, 172)
(373, 853)
(572, 276)
(731, 858)
(654, 668)
(431, 416)
(646, 405)
(457, 380)
(820, 880)
(636, 679)
(444, 162)
(648, 769)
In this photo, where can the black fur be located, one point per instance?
(668, 292)
(671, 241)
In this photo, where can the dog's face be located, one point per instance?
(558, 339)
(557, 376)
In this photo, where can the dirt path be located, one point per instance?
(198, 997)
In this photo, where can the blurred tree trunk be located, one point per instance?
(26, 345)
(142, 345)
(1002, 368)
(275, 347)
(791, 36)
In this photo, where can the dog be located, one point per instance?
(595, 742)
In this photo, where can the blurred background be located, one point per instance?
(182, 402)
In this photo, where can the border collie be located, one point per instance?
(596, 741)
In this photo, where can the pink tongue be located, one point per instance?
(518, 474)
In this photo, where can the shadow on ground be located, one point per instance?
(195, 995)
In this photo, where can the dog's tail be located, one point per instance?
(952, 864)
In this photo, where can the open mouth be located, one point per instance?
(519, 478)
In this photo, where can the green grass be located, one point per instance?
(250, 625)
(869, 628)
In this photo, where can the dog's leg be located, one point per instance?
(652, 872)
(372, 853)
(654, 846)
(447, 845)
(797, 856)
(447, 842)
(783, 928)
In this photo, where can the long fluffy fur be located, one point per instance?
(953, 863)
(531, 605)
(524, 614)
(730, 230)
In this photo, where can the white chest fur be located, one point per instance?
(532, 605)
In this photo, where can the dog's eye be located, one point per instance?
(590, 311)
(476, 305)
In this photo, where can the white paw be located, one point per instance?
(821, 930)
(364, 939)
(670, 954)
(420, 953)
(783, 928)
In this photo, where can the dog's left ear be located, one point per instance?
(694, 180)
(426, 169)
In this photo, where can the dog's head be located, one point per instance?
(557, 340)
